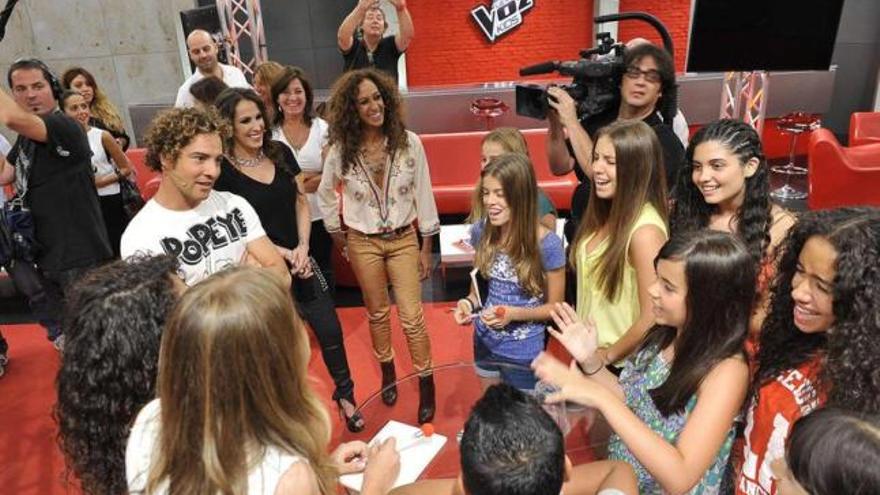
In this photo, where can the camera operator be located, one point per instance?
(647, 92)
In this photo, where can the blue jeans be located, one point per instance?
(515, 373)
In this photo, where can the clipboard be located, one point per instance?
(413, 460)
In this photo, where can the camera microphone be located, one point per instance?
(542, 68)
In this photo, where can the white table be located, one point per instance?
(456, 254)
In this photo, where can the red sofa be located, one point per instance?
(454, 162)
(864, 128)
(840, 176)
(147, 179)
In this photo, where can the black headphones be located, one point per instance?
(33, 63)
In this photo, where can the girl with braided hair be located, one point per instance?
(820, 341)
(725, 185)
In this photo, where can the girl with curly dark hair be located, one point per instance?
(725, 185)
(821, 338)
(109, 365)
(383, 173)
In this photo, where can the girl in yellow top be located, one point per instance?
(623, 229)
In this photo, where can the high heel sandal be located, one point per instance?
(355, 422)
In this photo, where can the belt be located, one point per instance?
(391, 234)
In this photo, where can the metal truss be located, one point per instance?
(744, 97)
(242, 21)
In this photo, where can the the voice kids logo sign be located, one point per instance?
(503, 18)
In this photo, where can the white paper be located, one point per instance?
(417, 453)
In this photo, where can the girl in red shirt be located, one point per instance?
(821, 329)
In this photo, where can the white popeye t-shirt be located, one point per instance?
(207, 239)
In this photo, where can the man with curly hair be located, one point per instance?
(206, 230)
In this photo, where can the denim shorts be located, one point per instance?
(515, 373)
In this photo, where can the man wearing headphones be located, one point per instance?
(53, 175)
(369, 48)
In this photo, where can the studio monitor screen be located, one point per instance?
(773, 35)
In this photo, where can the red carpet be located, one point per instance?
(30, 462)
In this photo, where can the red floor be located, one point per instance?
(30, 462)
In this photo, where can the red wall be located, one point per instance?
(675, 14)
(449, 48)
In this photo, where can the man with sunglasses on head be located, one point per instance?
(647, 92)
(52, 165)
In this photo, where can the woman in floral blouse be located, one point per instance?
(385, 187)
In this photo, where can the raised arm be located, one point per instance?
(406, 30)
(20, 120)
(564, 106)
(345, 34)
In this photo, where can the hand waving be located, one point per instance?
(579, 339)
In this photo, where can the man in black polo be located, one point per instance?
(647, 92)
(53, 174)
(361, 37)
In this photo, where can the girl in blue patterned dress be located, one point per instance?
(673, 408)
(523, 263)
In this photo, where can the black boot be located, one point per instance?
(427, 404)
(389, 387)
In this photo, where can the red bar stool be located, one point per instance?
(488, 109)
(795, 123)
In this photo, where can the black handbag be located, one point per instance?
(132, 201)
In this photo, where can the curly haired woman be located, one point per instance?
(385, 188)
(109, 365)
(821, 339)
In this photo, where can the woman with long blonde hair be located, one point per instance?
(235, 413)
(105, 115)
(619, 236)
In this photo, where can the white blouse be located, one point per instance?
(309, 156)
(262, 478)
